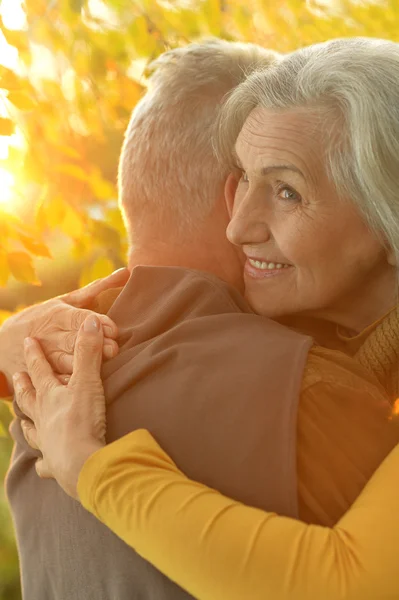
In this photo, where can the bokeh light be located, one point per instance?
(7, 193)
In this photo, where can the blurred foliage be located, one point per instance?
(81, 69)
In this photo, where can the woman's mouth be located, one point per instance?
(260, 268)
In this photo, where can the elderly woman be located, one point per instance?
(316, 139)
(316, 210)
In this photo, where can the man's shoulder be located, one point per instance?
(180, 303)
(177, 286)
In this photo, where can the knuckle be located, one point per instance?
(35, 364)
(70, 340)
(77, 317)
(62, 362)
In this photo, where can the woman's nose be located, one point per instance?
(248, 225)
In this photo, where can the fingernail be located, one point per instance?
(92, 324)
(28, 342)
(108, 331)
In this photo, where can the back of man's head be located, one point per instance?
(169, 179)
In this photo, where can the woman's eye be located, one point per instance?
(285, 192)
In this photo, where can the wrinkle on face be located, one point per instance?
(334, 256)
(282, 137)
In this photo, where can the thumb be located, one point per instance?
(87, 356)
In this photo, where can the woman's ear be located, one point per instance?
(230, 189)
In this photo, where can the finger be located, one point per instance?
(64, 341)
(83, 297)
(30, 433)
(88, 351)
(43, 470)
(39, 369)
(24, 394)
(63, 362)
(71, 320)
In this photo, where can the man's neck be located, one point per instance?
(188, 256)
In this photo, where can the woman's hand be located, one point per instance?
(66, 415)
(55, 324)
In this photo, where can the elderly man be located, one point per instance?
(217, 385)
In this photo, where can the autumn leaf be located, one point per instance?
(4, 269)
(73, 170)
(21, 100)
(6, 126)
(21, 267)
(9, 80)
(35, 247)
(72, 224)
(101, 267)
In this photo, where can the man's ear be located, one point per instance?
(230, 189)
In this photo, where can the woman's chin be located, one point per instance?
(268, 296)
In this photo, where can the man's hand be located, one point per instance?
(55, 325)
(67, 421)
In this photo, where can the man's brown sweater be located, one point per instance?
(218, 387)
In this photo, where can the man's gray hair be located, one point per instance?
(168, 168)
(353, 84)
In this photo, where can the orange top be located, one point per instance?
(344, 425)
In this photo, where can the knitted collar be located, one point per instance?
(380, 353)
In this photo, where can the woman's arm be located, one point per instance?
(213, 546)
(217, 548)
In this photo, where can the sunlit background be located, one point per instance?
(13, 18)
(71, 71)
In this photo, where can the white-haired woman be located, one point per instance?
(317, 214)
(315, 141)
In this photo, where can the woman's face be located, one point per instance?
(307, 249)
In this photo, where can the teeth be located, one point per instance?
(266, 266)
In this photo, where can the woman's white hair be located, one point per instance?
(168, 169)
(354, 86)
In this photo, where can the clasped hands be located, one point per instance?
(65, 414)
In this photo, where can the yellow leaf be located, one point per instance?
(15, 38)
(21, 267)
(73, 170)
(104, 234)
(114, 218)
(68, 151)
(4, 269)
(35, 247)
(54, 212)
(3, 432)
(8, 79)
(6, 127)
(101, 268)
(72, 223)
(21, 100)
(101, 188)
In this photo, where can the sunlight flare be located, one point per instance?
(7, 192)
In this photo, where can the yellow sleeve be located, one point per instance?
(217, 548)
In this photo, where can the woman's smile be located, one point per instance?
(261, 269)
